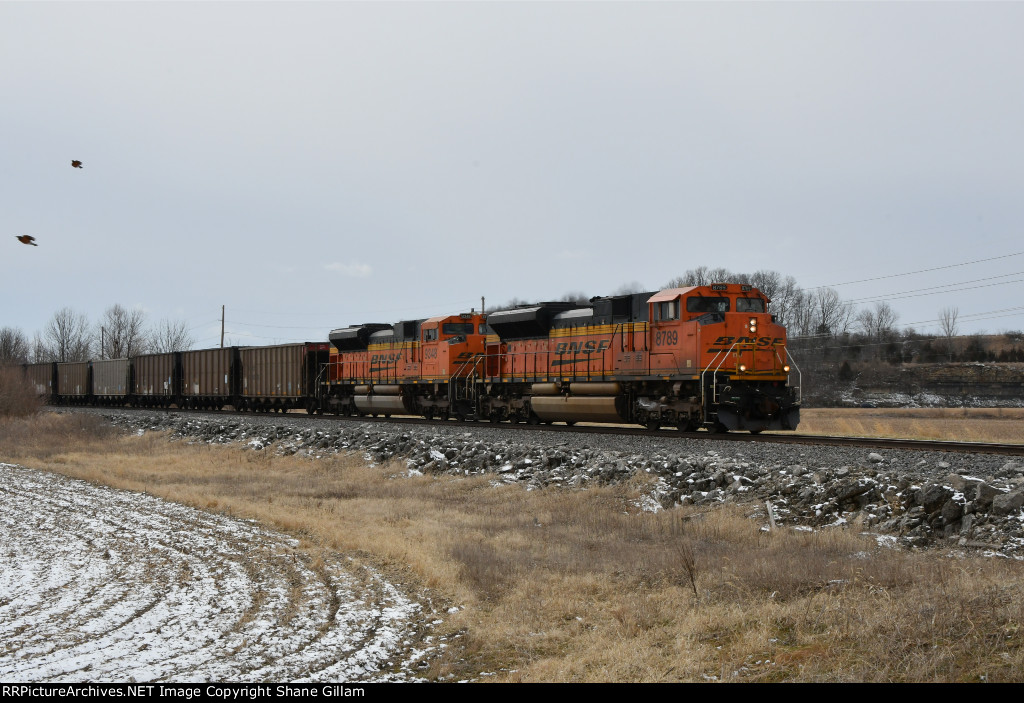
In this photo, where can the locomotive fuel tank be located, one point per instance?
(563, 408)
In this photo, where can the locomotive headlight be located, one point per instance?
(786, 368)
(753, 322)
(743, 367)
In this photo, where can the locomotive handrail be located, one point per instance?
(799, 373)
(318, 382)
(714, 376)
(456, 376)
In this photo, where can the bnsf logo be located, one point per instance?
(391, 356)
(582, 347)
(727, 342)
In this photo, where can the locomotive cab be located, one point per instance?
(744, 362)
(453, 351)
(450, 343)
(729, 355)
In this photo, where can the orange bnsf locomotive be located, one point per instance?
(707, 356)
(412, 367)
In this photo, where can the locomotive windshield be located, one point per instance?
(707, 305)
(457, 328)
(749, 305)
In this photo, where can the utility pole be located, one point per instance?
(103, 343)
(221, 326)
(483, 310)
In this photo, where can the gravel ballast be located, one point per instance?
(916, 498)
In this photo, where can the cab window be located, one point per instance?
(430, 335)
(667, 310)
(699, 304)
(457, 328)
(749, 305)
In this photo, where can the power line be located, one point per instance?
(972, 317)
(913, 273)
(917, 292)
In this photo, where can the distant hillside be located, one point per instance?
(874, 383)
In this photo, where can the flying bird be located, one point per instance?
(76, 164)
(27, 239)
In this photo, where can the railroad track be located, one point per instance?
(626, 430)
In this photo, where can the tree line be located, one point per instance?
(70, 336)
(820, 323)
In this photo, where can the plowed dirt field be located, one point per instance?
(104, 585)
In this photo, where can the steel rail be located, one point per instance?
(623, 430)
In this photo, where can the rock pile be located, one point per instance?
(917, 498)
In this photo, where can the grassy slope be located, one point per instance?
(959, 424)
(561, 585)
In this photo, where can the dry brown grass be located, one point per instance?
(1005, 425)
(561, 585)
(17, 395)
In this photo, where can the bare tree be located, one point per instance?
(14, 347)
(630, 288)
(171, 336)
(68, 337)
(575, 296)
(768, 282)
(885, 321)
(693, 277)
(40, 351)
(724, 275)
(122, 332)
(831, 316)
(800, 317)
(949, 327)
(787, 300)
(878, 324)
(866, 322)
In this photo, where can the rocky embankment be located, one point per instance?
(917, 498)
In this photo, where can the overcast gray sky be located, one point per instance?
(314, 165)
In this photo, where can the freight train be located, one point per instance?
(708, 357)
